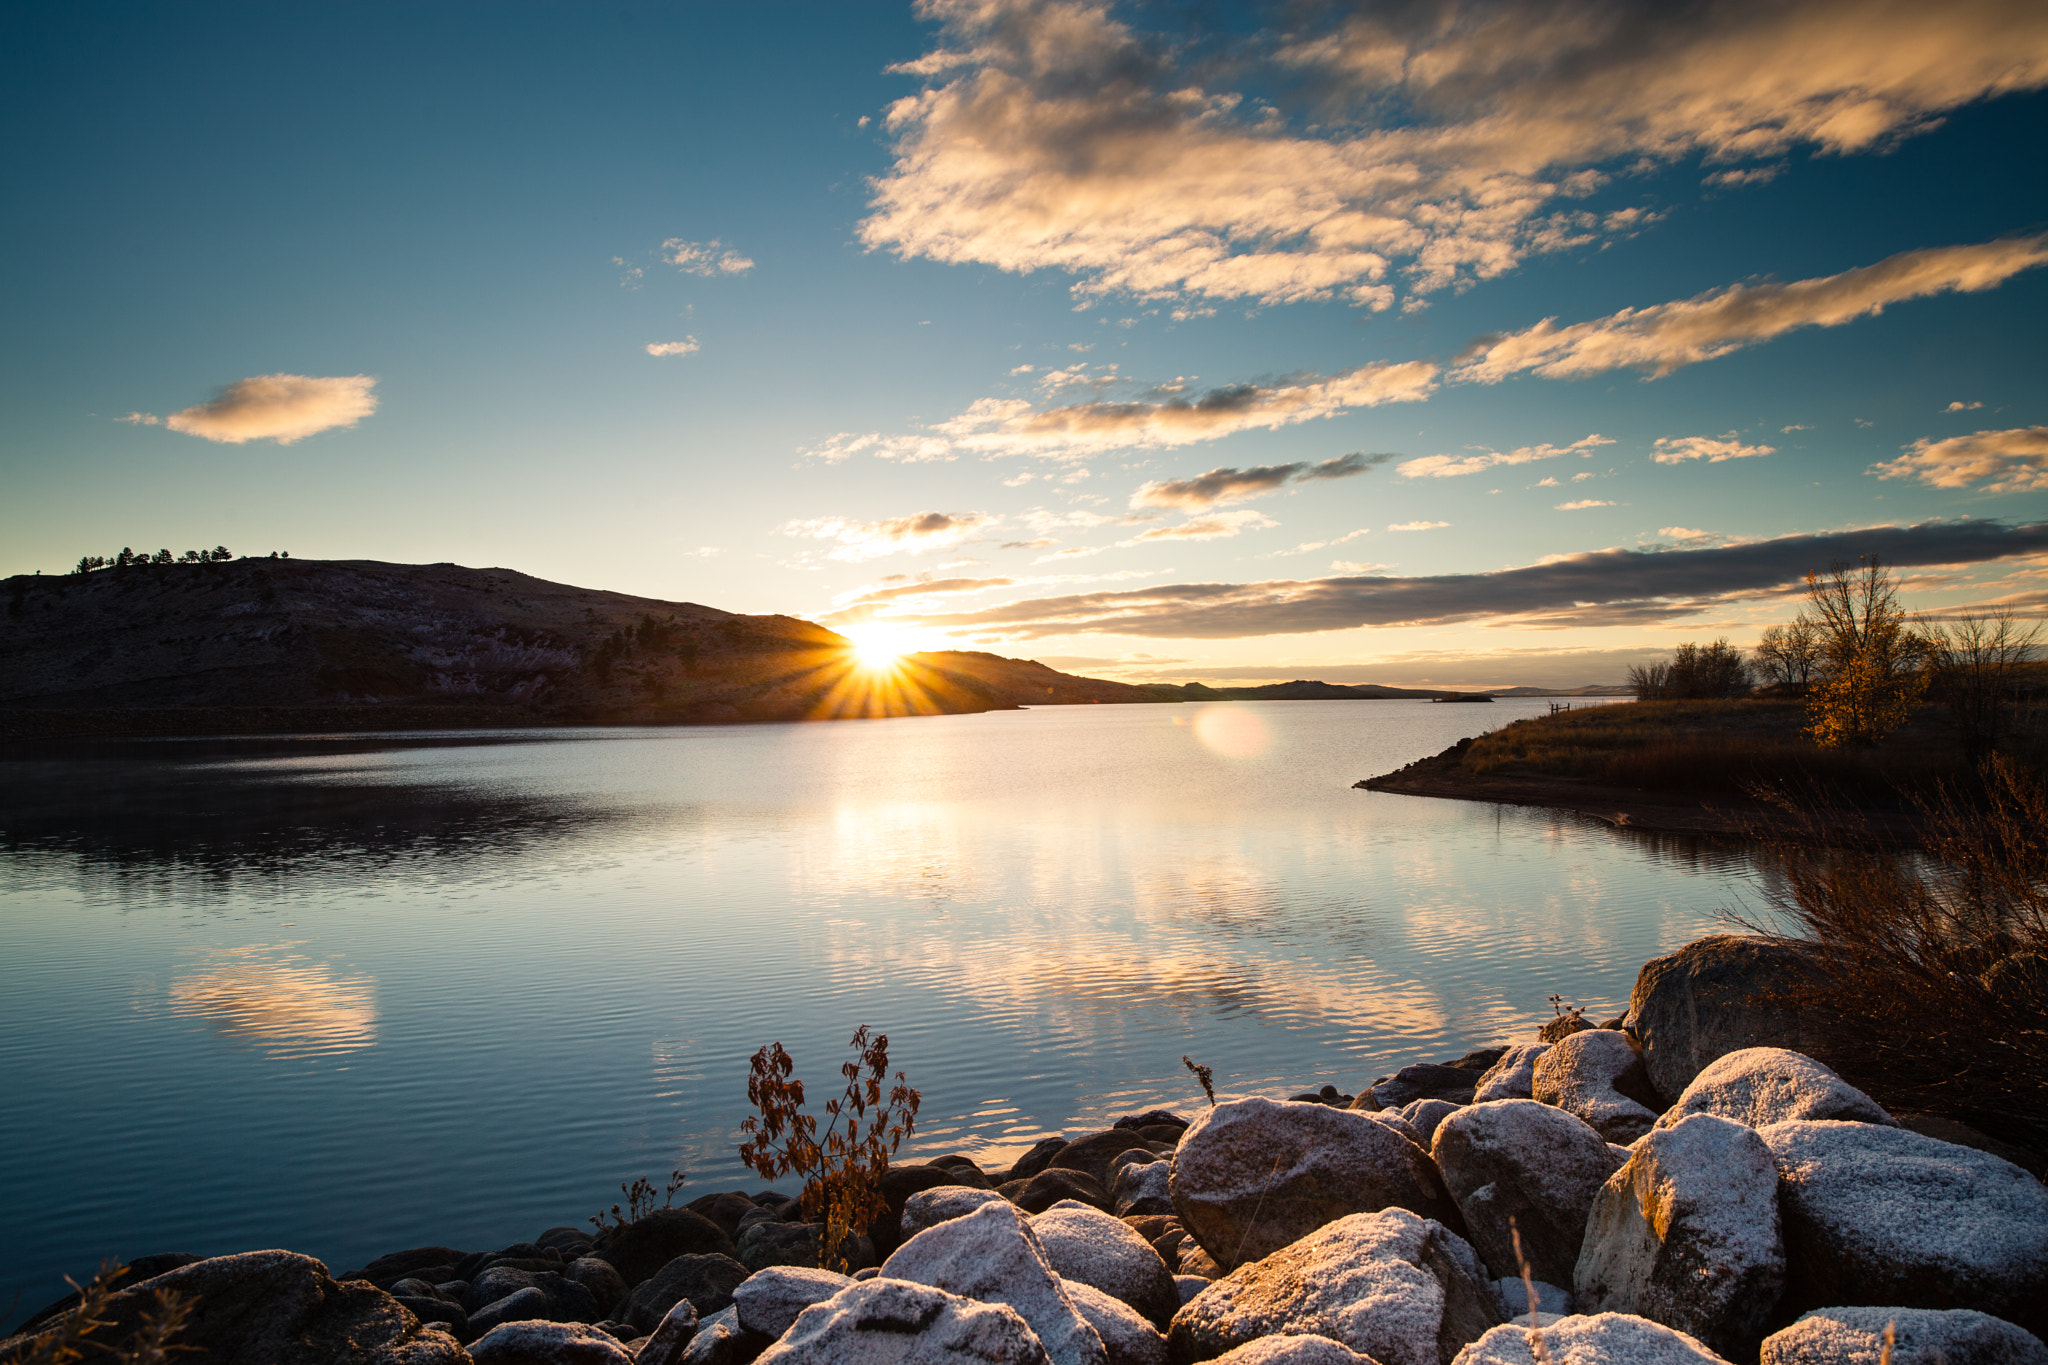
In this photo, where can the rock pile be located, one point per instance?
(1682, 1186)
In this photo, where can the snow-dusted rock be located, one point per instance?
(1760, 1086)
(1590, 1074)
(1253, 1175)
(1706, 1001)
(1513, 1077)
(1886, 1214)
(1529, 1162)
(1600, 1339)
(1513, 1293)
(1391, 1118)
(1187, 1286)
(888, 1322)
(1142, 1188)
(1129, 1339)
(1424, 1115)
(770, 1299)
(666, 1344)
(1920, 1336)
(993, 1255)
(1401, 1289)
(1294, 1349)
(1087, 1246)
(1687, 1234)
(548, 1343)
(929, 1208)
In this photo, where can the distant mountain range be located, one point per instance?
(264, 645)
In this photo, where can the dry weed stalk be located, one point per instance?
(71, 1338)
(1203, 1075)
(1535, 1328)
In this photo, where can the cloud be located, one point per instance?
(1308, 546)
(704, 258)
(1220, 486)
(1595, 588)
(1960, 406)
(1038, 544)
(1416, 525)
(1215, 526)
(1712, 449)
(1452, 466)
(274, 407)
(1455, 139)
(1666, 336)
(141, 419)
(1682, 533)
(1749, 175)
(683, 347)
(2014, 461)
(916, 534)
(1796, 426)
(1582, 504)
(1353, 567)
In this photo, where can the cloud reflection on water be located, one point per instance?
(285, 1003)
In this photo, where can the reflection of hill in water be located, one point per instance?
(140, 810)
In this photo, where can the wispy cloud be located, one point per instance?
(1667, 336)
(273, 407)
(1682, 533)
(1599, 587)
(1416, 525)
(2013, 461)
(1712, 449)
(1214, 526)
(1960, 406)
(684, 347)
(141, 419)
(918, 533)
(1450, 142)
(1582, 504)
(1310, 546)
(1452, 466)
(1219, 486)
(704, 258)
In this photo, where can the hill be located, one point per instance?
(288, 644)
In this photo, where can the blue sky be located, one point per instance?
(1517, 342)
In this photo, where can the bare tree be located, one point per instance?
(1789, 655)
(1974, 657)
(1650, 682)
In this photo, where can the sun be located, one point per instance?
(877, 650)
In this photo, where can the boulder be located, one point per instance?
(1253, 1175)
(647, 1244)
(1963, 1135)
(1887, 1214)
(1530, 1164)
(1598, 1075)
(720, 1340)
(1126, 1337)
(993, 1255)
(726, 1209)
(768, 1244)
(1601, 1339)
(706, 1281)
(1687, 1234)
(1391, 1119)
(607, 1287)
(433, 1310)
(1401, 1289)
(397, 1265)
(527, 1304)
(548, 1343)
(570, 1242)
(965, 1171)
(1424, 1115)
(1143, 1189)
(1704, 1002)
(1513, 1076)
(770, 1300)
(1294, 1349)
(268, 1308)
(565, 1299)
(1512, 1291)
(1197, 1262)
(667, 1343)
(1053, 1184)
(1759, 1086)
(898, 1184)
(928, 1208)
(1038, 1158)
(1151, 1118)
(1087, 1246)
(1426, 1081)
(1920, 1336)
(1095, 1152)
(888, 1322)
(1187, 1286)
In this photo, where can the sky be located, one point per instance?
(1414, 343)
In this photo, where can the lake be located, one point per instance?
(349, 994)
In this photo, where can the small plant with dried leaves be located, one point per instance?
(843, 1171)
(1203, 1075)
(150, 1343)
(639, 1202)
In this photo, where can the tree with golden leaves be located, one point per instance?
(1870, 667)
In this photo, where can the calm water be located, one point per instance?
(347, 995)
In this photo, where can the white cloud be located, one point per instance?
(1796, 426)
(1960, 406)
(141, 419)
(1683, 533)
(1214, 526)
(1355, 567)
(683, 347)
(1456, 139)
(274, 407)
(704, 258)
(1666, 336)
(1712, 449)
(1416, 525)
(1452, 466)
(2014, 461)
(1309, 546)
(918, 533)
(1547, 483)
(1582, 504)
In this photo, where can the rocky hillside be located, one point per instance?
(283, 644)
